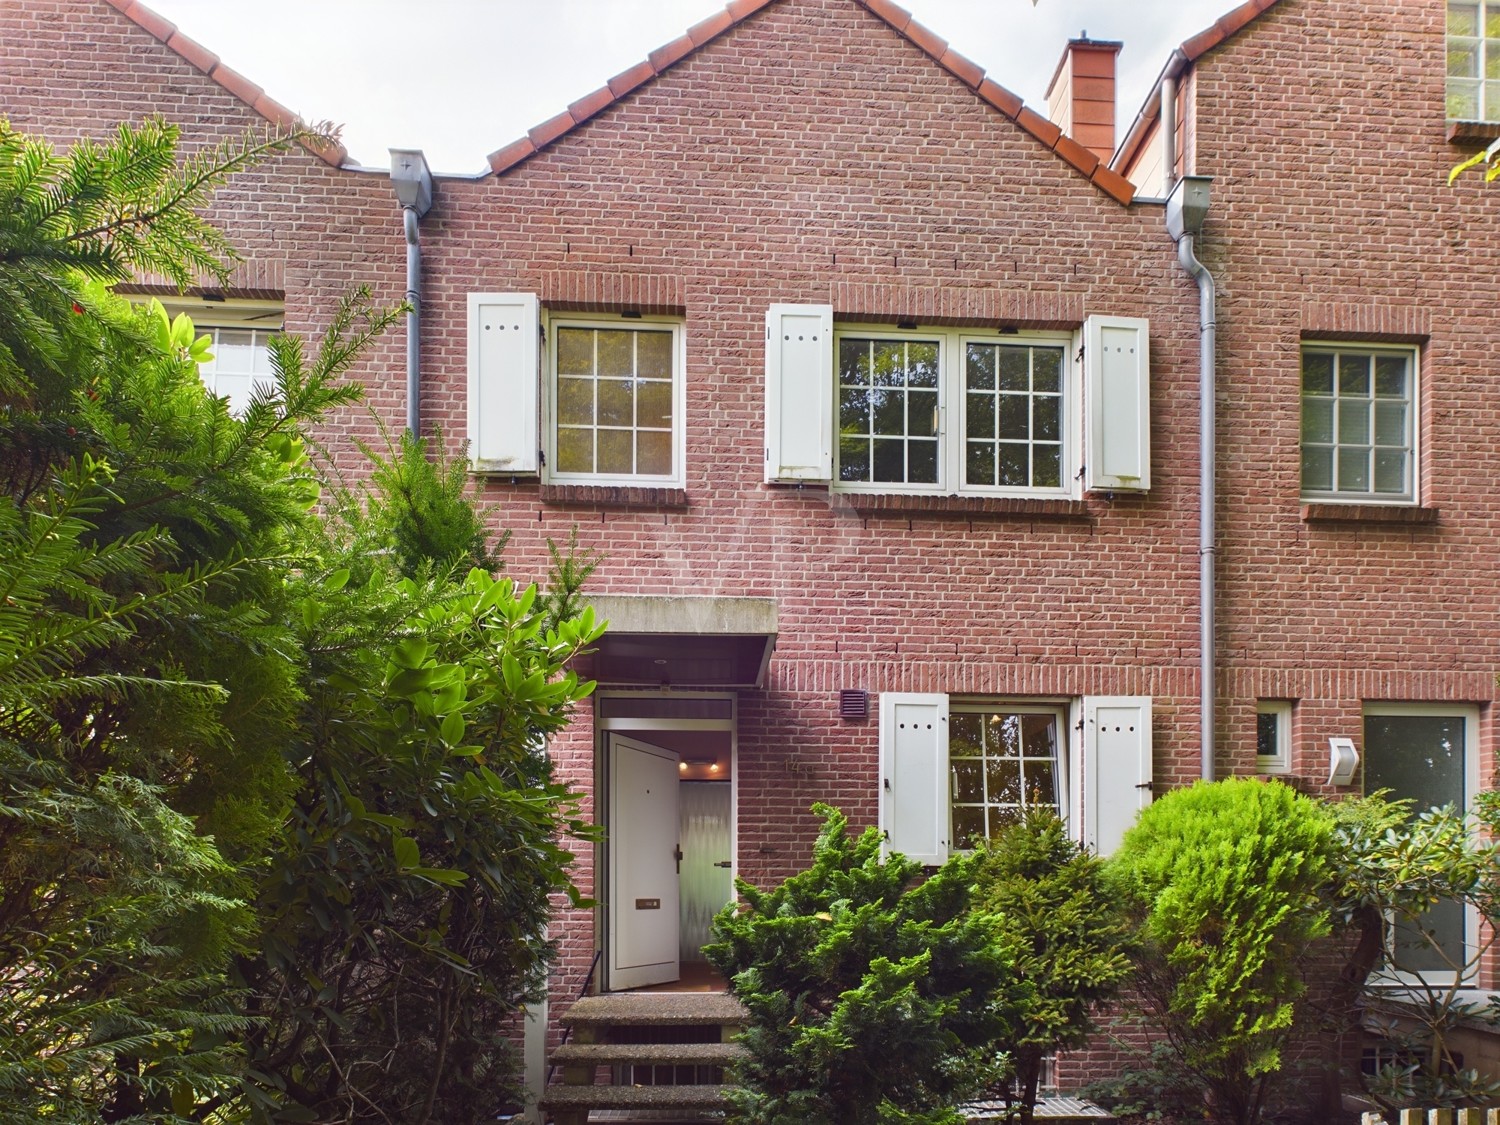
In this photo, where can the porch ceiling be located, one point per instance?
(657, 641)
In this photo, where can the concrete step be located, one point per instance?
(563, 1099)
(655, 1054)
(655, 1009)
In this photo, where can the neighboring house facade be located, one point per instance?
(879, 395)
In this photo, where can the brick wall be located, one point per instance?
(811, 154)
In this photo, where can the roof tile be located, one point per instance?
(931, 42)
(626, 81)
(1205, 41)
(1114, 184)
(739, 9)
(585, 107)
(999, 97)
(668, 53)
(1038, 126)
(237, 84)
(274, 112)
(162, 29)
(549, 130)
(1075, 154)
(893, 14)
(701, 32)
(511, 154)
(971, 74)
(194, 52)
(1233, 20)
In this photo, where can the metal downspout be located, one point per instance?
(1187, 207)
(413, 185)
(413, 322)
(1207, 331)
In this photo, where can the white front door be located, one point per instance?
(643, 864)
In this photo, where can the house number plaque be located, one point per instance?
(648, 904)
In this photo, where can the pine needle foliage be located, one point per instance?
(875, 995)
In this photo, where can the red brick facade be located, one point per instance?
(810, 152)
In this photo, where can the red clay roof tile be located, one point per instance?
(1075, 154)
(1038, 126)
(585, 107)
(701, 32)
(971, 74)
(626, 81)
(668, 53)
(931, 42)
(205, 61)
(159, 27)
(999, 97)
(549, 130)
(511, 155)
(893, 14)
(1114, 184)
(739, 9)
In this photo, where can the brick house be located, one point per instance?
(880, 395)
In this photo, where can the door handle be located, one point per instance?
(677, 855)
(725, 863)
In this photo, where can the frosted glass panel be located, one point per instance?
(705, 887)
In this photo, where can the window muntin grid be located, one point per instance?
(1358, 424)
(241, 362)
(1474, 60)
(1013, 415)
(888, 410)
(615, 402)
(1001, 761)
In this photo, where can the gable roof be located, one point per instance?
(1228, 25)
(205, 61)
(934, 46)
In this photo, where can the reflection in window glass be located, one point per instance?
(1013, 416)
(1421, 758)
(1001, 761)
(241, 363)
(614, 401)
(1357, 424)
(888, 410)
(1474, 60)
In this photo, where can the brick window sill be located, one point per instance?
(1460, 131)
(995, 506)
(1368, 513)
(613, 496)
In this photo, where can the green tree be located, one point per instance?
(874, 995)
(1225, 879)
(1067, 935)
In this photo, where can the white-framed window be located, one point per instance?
(1474, 60)
(615, 400)
(1273, 736)
(240, 331)
(1359, 423)
(1428, 754)
(957, 770)
(946, 412)
(957, 411)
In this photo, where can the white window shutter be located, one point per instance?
(503, 353)
(799, 393)
(914, 774)
(1116, 359)
(1116, 766)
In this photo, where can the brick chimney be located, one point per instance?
(1081, 96)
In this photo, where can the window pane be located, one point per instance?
(1390, 376)
(922, 413)
(1390, 472)
(1492, 101)
(1008, 763)
(1015, 417)
(1463, 58)
(616, 452)
(887, 364)
(1046, 370)
(616, 402)
(1390, 423)
(1015, 369)
(854, 362)
(1004, 775)
(890, 461)
(1317, 420)
(1354, 374)
(979, 416)
(614, 354)
(1013, 465)
(890, 412)
(854, 410)
(923, 462)
(1046, 417)
(1463, 19)
(968, 780)
(979, 463)
(1317, 470)
(575, 402)
(965, 734)
(1463, 99)
(1354, 421)
(575, 351)
(1266, 744)
(854, 459)
(1040, 785)
(1046, 466)
(654, 404)
(968, 826)
(654, 355)
(922, 365)
(653, 453)
(1317, 373)
(234, 350)
(1354, 470)
(981, 367)
(575, 451)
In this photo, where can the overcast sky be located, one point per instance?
(462, 78)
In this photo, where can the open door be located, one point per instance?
(642, 830)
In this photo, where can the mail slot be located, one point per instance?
(648, 904)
